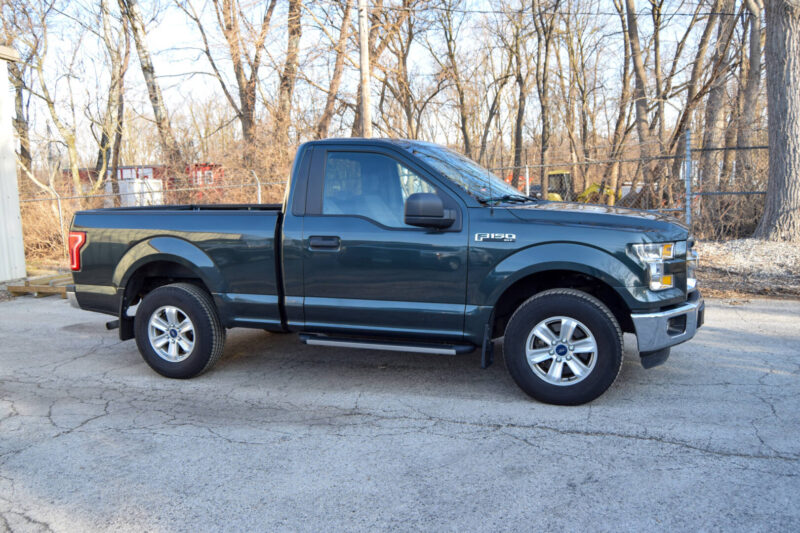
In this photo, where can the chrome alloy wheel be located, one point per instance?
(561, 350)
(171, 334)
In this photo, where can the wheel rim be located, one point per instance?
(561, 350)
(171, 333)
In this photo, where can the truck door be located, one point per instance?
(364, 270)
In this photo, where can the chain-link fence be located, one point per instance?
(47, 211)
(718, 192)
(722, 198)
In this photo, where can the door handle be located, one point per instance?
(327, 242)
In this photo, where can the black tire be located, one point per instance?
(208, 334)
(592, 314)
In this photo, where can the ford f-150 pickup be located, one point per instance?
(396, 245)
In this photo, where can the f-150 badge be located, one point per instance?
(495, 237)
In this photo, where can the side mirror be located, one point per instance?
(426, 210)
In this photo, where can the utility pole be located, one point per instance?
(363, 39)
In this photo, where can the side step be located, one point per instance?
(392, 346)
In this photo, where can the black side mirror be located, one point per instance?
(426, 210)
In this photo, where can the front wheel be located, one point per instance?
(178, 331)
(563, 347)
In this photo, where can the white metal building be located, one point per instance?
(12, 253)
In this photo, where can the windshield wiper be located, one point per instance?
(520, 198)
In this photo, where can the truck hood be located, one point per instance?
(658, 225)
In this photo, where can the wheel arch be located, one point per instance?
(160, 261)
(523, 288)
(168, 250)
(566, 265)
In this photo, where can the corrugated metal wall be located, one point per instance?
(12, 254)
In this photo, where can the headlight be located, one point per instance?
(654, 251)
(653, 256)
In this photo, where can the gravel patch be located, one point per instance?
(750, 266)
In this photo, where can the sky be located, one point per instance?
(184, 72)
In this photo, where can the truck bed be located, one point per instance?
(234, 244)
(190, 207)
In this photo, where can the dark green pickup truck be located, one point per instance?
(396, 245)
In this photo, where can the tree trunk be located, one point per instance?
(640, 96)
(692, 97)
(451, 40)
(745, 161)
(519, 122)
(544, 21)
(714, 134)
(611, 172)
(115, 152)
(781, 220)
(289, 74)
(118, 51)
(324, 123)
(228, 18)
(493, 111)
(728, 155)
(130, 9)
(21, 125)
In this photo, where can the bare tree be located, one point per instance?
(612, 168)
(515, 34)
(410, 95)
(781, 220)
(289, 74)
(715, 111)
(324, 123)
(118, 50)
(384, 22)
(751, 72)
(544, 19)
(38, 19)
(449, 23)
(245, 42)
(16, 73)
(130, 10)
(640, 86)
(577, 83)
(497, 83)
(694, 89)
(13, 25)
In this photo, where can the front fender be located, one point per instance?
(170, 249)
(574, 257)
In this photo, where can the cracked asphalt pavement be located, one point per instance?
(281, 436)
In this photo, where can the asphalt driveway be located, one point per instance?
(280, 436)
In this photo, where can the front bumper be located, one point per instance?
(655, 331)
(73, 300)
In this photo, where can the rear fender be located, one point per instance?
(173, 250)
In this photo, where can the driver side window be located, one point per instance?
(371, 185)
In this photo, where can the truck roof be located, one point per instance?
(399, 143)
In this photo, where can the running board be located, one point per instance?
(393, 346)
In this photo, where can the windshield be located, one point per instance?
(469, 175)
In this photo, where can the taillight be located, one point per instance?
(76, 241)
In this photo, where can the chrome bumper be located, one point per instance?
(73, 300)
(655, 331)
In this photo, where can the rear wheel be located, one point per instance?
(178, 331)
(563, 346)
